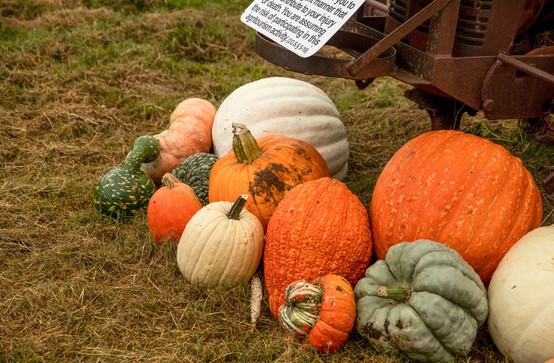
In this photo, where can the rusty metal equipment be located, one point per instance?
(494, 56)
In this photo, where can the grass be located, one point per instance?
(79, 81)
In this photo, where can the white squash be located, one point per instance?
(222, 244)
(521, 299)
(285, 106)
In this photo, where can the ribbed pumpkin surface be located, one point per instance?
(320, 227)
(284, 163)
(290, 107)
(458, 189)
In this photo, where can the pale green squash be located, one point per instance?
(423, 300)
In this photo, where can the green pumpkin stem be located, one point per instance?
(244, 144)
(236, 208)
(397, 293)
(169, 180)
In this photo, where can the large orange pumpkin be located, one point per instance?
(265, 169)
(458, 189)
(319, 228)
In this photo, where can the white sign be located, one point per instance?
(301, 26)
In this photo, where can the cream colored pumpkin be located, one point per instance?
(521, 299)
(286, 106)
(221, 245)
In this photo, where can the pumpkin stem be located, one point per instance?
(169, 180)
(236, 208)
(398, 293)
(244, 144)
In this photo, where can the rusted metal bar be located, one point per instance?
(442, 29)
(349, 43)
(396, 35)
(526, 68)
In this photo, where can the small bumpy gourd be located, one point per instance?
(321, 313)
(125, 190)
(195, 172)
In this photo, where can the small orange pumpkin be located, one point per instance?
(321, 313)
(265, 169)
(170, 208)
(189, 132)
(320, 227)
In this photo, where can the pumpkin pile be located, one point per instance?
(451, 240)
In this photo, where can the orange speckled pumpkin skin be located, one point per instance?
(189, 132)
(458, 189)
(337, 314)
(319, 228)
(170, 208)
(285, 163)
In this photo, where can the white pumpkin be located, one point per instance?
(521, 299)
(222, 244)
(286, 106)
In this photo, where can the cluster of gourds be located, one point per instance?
(451, 240)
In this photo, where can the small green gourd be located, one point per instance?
(195, 172)
(126, 189)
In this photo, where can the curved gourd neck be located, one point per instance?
(144, 150)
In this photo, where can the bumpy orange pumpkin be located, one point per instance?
(319, 228)
(189, 132)
(458, 189)
(321, 313)
(265, 169)
(170, 208)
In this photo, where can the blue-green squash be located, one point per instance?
(423, 300)
(195, 172)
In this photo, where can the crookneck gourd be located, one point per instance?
(422, 300)
(125, 190)
(189, 132)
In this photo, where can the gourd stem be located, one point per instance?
(236, 208)
(169, 180)
(397, 293)
(244, 144)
